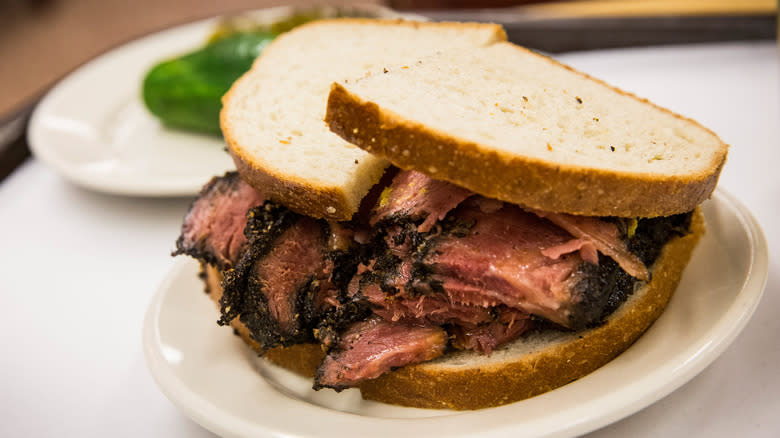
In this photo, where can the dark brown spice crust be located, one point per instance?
(242, 297)
(221, 184)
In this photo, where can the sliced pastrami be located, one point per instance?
(279, 287)
(213, 229)
(587, 250)
(343, 256)
(500, 261)
(485, 338)
(597, 290)
(297, 257)
(649, 235)
(487, 254)
(605, 237)
(434, 308)
(418, 196)
(373, 347)
(482, 328)
(335, 320)
(439, 265)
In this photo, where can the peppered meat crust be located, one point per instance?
(652, 234)
(219, 185)
(243, 296)
(600, 290)
(604, 287)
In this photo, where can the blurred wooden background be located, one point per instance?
(42, 40)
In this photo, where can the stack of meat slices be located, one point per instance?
(430, 268)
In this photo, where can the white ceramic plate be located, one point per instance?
(210, 375)
(93, 128)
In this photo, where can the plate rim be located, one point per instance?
(724, 331)
(101, 183)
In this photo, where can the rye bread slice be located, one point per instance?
(272, 118)
(514, 125)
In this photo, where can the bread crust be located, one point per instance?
(487, 382)
(540, 184)
(327, 202)
(302, 196)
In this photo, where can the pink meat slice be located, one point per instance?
(501, 261)
(417, 195)
(487, 337)
(213, 229)
(604, 236)
(296, 255)
(434, 308)
(587, 250)
(373, 347)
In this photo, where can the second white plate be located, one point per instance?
(94, 129)
(211, 376)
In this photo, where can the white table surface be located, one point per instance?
(79, 269)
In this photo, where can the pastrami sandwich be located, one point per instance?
(533, 223)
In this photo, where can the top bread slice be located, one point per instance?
(514, 125)
(272, 117)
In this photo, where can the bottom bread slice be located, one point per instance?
(534, 364)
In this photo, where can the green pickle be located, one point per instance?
(186, 92)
